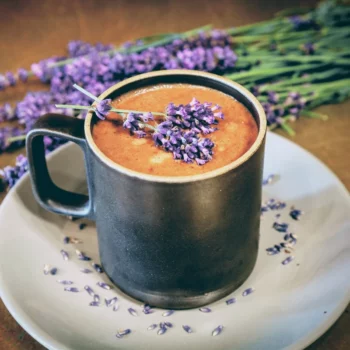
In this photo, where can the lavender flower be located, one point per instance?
(168, 313)
(152, 327)
(135, 121)
(132, 311)
(288, 260)
(65, 282)
(104, 285)
(12, 174)
(10, 78)
(111, 302)
(22, 75)
(205, 309)
(71, 289)
(102, 108)
(195, 116)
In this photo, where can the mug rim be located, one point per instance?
(188, 178)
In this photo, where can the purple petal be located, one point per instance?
(111, 302)
(94, 303)
(97, 267)
(161, 331)
(288, 260)
(89, 290)
(104, 285)
(116, 307)
(132, 311)
(66, 240)
(205, 309)
(152, 327)
(168, 313)
(97, 298)
(64, 254)
(187, 329)
(217, 330)
(230, 301)
(71, 289)
(247, 292)
(65, 282)
(85, 270)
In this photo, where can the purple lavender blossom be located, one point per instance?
(22, 75)
(102, 108)
(10, 78)
(12, 174)
(135, 121)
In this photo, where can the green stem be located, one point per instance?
(131, 111)
(17, 138)
(315, 115)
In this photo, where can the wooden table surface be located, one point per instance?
(32, 30)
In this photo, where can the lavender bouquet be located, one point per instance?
(292, 63)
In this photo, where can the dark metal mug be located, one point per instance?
(173, 242)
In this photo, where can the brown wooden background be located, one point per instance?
(32, 30)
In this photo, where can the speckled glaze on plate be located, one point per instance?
(291, 306)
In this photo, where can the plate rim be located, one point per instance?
(45, 339)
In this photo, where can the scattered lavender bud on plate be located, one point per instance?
(66, 240)
(104, 285)
(71, 289)
(132, 311)
(161, 331)
(65, 282)
(295, 214)
(283, 227)
(152, 327)
(217, 331)
(85, 270)
(97, 298)
(64, 254)
(168, 324)
(230, 301)
(286, 236)
(247, 292)
(97, 267)
(111, 302)
(168, 313)
(286, 261)
(82, 226)
(53, 271)
(116, 307)
(187, 329)
(205, 309)
(124, 332)
(269, 179)
(94, 303)
(89, 290)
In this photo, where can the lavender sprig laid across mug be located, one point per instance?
(178, 133)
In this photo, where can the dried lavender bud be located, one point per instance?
(104, 285)
(187, 329)
(82, 225)
(102, 108)
(247, 292)
(283, 227)
(217, 331)
(66, 240)
(231, 301)
(65, 255)
(295, 214)
(97, 267)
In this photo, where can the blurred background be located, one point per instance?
(33, 30)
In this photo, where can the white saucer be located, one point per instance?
(291, 306)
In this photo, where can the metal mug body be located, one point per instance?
(177, 242)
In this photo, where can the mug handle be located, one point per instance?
(48, 195)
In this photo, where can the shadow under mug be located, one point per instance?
(172, 242)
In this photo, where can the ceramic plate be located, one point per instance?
(291, 305)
